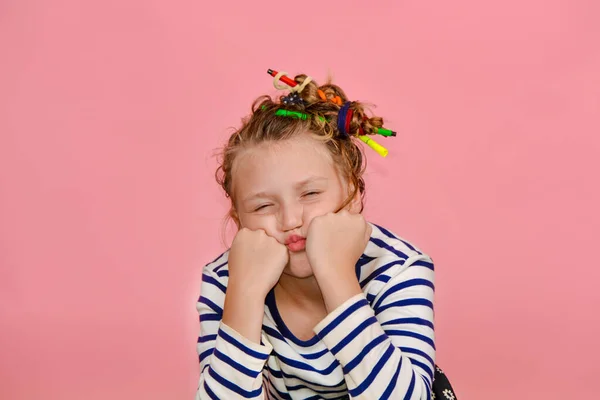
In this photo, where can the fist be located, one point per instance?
(256, 261)
(335, 241)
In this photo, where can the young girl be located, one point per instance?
(311, 301)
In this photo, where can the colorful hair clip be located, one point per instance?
(336, 100)
(379, 149)
(344, 115)
(293, 85)
(344, 118)
(385, 132)
(282, 77)
(292, 99)
(293, 114)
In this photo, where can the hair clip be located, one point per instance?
(293, 85)
(292, 99)
(379, 149)
(344, 118)
(294, 114)
(336, 100)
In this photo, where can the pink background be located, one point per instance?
(109, 114)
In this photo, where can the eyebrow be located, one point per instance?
(298, 185)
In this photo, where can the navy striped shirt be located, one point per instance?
(377, 345)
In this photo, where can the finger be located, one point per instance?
(265, 233)
(260, 232)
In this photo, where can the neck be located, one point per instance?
(303, 291)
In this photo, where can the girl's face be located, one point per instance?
(280, 187)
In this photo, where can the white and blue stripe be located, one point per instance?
(378, 344)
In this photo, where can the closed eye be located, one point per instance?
(311, 194)
(262, 207)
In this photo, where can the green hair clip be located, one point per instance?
(382, 151)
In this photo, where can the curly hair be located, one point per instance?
(322, 104)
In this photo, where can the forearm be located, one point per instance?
(235, 368)
(371, 363)
(231, 363)
(243, 311)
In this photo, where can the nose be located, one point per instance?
(290, 217)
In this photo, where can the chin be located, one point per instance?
(298, 266)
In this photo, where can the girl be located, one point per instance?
(311, 301)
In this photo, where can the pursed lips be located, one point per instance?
(294, 239)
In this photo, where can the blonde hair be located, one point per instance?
(263, 125)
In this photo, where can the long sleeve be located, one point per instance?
(387, 348)
(231, 366)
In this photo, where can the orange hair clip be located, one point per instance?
(336, 100)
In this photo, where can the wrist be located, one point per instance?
(327, 272)
(246, 290)
(337, 290)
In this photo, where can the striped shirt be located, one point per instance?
(377, 345)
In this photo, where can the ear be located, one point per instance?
(235, 217)
(355, 205)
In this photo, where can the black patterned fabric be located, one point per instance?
(442, 390)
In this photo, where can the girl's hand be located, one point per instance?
(256, 262)
(334, 243)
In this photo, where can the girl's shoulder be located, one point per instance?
(388, 256)
(217, 269)
(384, 242)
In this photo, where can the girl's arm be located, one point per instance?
(387, 348)
(231, 364)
